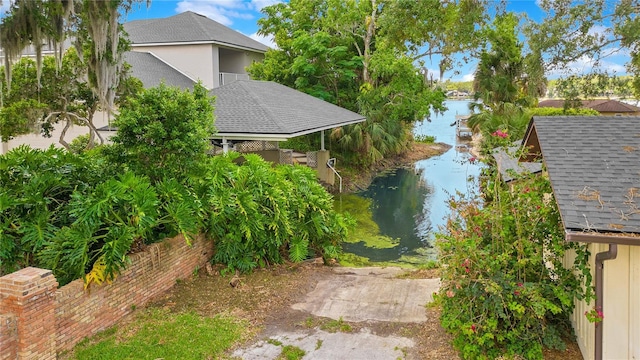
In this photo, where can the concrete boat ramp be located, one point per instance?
(367, 297)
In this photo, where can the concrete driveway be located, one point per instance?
(365, 296)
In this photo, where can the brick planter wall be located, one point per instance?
(37, 320)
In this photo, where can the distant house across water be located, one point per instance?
(603, 106)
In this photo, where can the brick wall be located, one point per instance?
(36, 320)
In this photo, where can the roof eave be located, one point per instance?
(203, 42)
(279, 137)
(601, 238)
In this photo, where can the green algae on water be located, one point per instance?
(366, 229)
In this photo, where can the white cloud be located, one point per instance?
(587, 64)
(222, 11)
(266, 40)
(259, 4)
(468, 77)
(599, 30)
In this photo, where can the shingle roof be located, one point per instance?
(600, 105)
(263, 107)
(151, 71)
(509, 166)
(187, 27)
(594, 167)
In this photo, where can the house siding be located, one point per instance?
(37, 141)
(196, 61)
(621, 339)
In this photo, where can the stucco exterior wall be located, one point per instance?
(621, 324)
(38, 141)
(252, 57)
(196, 61)
(232, 61)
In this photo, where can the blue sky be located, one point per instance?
(242, 15)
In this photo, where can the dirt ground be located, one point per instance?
(264, 298)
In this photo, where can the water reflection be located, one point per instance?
(408, 205)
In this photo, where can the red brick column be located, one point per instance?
(27, 296)
(8, 335)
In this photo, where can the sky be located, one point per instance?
(242, 16)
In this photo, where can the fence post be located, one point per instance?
(27, 312)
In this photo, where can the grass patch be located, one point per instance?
(274, 342)
(157, 333)
(425, 139)
(333, 326)
(291, 352)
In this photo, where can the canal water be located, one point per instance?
(400, 211)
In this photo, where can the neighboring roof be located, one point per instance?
(188, 27)
(250, 110)
(600, 105)
(151, 70)
(593, 164)
(509, 166)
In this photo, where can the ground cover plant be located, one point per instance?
(157, 333)
(504, 287)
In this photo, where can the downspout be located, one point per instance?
(600, 259)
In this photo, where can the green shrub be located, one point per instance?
(164, 133)
(35, 189)
(79, 144)
(426, 139)
(504, 288)
(258, 213)
(81, 214)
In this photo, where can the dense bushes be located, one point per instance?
(35, 189)
(80, 214)
(504, 287)
(260, 214)
(164, 132)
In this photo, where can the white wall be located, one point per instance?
(37, 141)
(194, 60)
(621, 331)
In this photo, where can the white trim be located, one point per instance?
(279, 137)
(203, 42)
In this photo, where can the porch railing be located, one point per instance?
(226, 78)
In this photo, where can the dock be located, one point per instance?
(462, 129)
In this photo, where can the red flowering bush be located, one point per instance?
(501, 134)
(504, 289)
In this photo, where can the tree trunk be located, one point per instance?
(371, 28)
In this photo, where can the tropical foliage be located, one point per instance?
(60, 95)
(505, 290)
(513, 122)
(366, 56)
(81, 214)
(153, 138)
(260, 215)
(591, 30)
(93, 26)
(506, 82)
